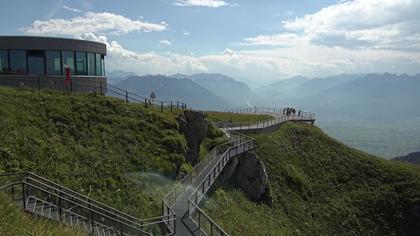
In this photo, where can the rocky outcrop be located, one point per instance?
(248, 173)
(194, 126)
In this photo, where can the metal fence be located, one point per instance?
(241, 143)
(86, 84)
(269, 111)
(42, 197)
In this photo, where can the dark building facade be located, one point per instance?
(40, 62)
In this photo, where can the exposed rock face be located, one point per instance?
(194, 125)
(248, 173)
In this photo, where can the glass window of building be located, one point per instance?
(98, 65)
(4, 61)
(103, 65)
(18, 61)
(53, 62)
(91, 63)
(36, 62)
(81, 63)
(68, 60)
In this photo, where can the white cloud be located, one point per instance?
(201, 3)
(99, 23)
(283, 39)
(186, 33)
(119, 58)
(362, 24)
(72, 9)
(368, 36)
(228, 52)
(262, 65)
(165, 42)
(358, 24)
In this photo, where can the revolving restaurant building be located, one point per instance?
(40, 62)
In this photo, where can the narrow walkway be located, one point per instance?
(184, 223)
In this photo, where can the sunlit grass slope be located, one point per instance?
(322, 187)
(100, 146)
(234, 117)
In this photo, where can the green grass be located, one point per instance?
(225, 116)
(322, 187)
(99, 146)
(14, 222)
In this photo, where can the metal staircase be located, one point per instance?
(44, 198)
(184, 199)
(181, 212)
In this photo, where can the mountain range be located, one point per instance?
(413, 157)
(235, 92)
(379, 97)
(167, 88)
(378, 113)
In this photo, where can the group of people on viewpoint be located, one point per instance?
(289, 111)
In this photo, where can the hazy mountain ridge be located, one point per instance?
(383, 98)
(168, 88)
(117, 76)
(235, 92)
(413, 157)
(377, 113)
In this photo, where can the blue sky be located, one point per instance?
(253, 41)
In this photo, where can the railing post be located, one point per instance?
(161, 106)
(60, 206)
(126, 96)
(91, 218)
(209, 180)
(199, 219)
(171, 106)
(196, 198)
(23, 194)
(145, 102)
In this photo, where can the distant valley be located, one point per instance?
(377, 113)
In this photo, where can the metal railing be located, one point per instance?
(212, 164)
(22, 186)
(242, 143)
(181, 187)
(270, 111)
(85, 84)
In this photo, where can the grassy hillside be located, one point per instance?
(100, 146)
(225, 116)
(14, 222)
(322, 187)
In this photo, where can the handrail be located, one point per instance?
(194, 199)
(212, 223)
(58, 82)
(79, 196)
(241, 141)
(23, 183)
(106, 210)
(269, 110)
(83, 201)
(168, 201)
